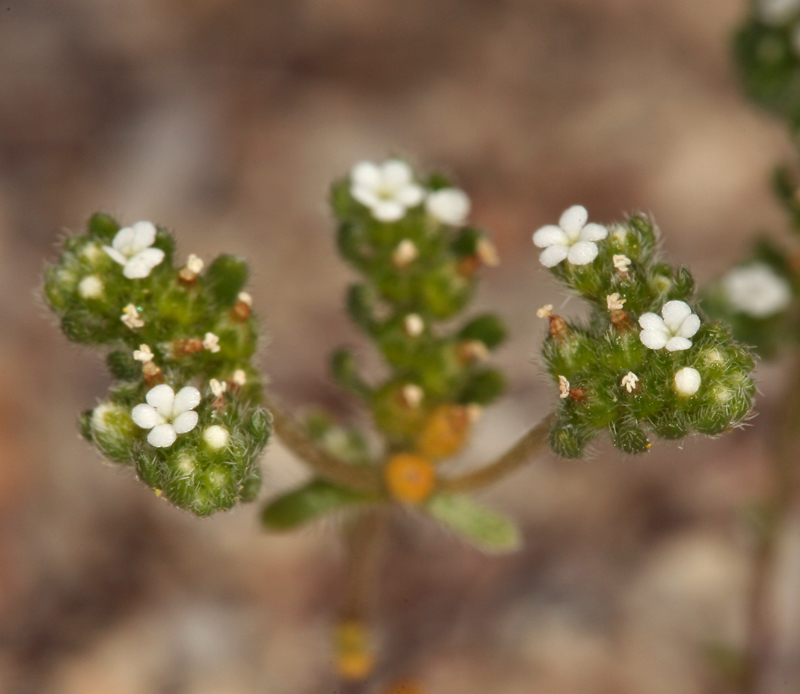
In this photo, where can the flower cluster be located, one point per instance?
(169, 333)
(646, 363)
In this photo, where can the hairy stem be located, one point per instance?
(524, 450)
(327, 466)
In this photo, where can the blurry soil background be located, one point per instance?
(226, 121)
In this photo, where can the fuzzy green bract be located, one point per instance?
(595, 356)
(202, 471)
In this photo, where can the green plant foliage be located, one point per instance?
(473, 522)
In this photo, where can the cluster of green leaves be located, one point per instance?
(596, 356)
(176, 314)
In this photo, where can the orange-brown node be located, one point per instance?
(152, 374)
(468, 266)
(577, 394)
(354, 653)
(410, 478)
(445, 431)
(621, 320)
(558, 327)
(240, 311)
(185, 347)
(187, 276)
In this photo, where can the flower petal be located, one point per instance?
(388, 211)
(142, 263)
(410, 195)
(675, 312)
(654, 339)
(365, 195)
(593, 232)
(185, 422)
(396, 173)
(583, 252)
(448, 205)
(162, 436)
(573, 220)
(144, 236)
(690, 326)
(678, 344)
(652, 321)
(161, 397)
(187, 399)
(553, 255)
(550, 235)
(115, 255)
(146, 416)
(365, 174)
(123, 241)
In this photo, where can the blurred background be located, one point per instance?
(226, 121)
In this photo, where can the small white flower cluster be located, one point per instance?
(167, 414)
(573, 239)
(672, 329)
(132, 248)
(389, 190)
(756, 290)
(687, 381)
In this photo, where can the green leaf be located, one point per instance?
(226, 277)
(487, 328)
(307, 503)
(475, 523)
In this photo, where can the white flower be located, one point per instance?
(621, 263)
(757, 290)
(687, 381)
(614, 302)
(776, 12)
(130, 316)
(673, 330)
(239, 377)
(629, 381)
(405, 253)
(194, 264)
(216, 437)
(448, 206)
(563, 387)
(545, 311)
(414, 325)
(412, 395)
(131, 248)
(217, 388)
(245, 298)
(387, 189)
(167, 414)
(487, 253)
(144, 354)
(211, 343)
(573, 239)
(91, 287)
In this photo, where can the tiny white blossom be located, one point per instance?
(757, 290)
(672, 329)
(211, 343)
(245, 298)
(777, 12)
(405, 253)
(687, 381)
(387, 189)
(216, 437)
(217, 388)
(614, 302)
(474, 350)
(167, 414)
(412, 395)
(563, 387)
(448, 206)
(545, 311)
(130, 316)
(474, 412)
(621, 263)
(487, 253)
(629, 381)
(239, 377)
(144, 354)
(91, 287)
(414, 325)
(573, 239)
(194, 264)
(92, 252)
(132, 248)
(103, 416)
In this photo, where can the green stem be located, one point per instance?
(365, 539)
(293, 436)
(524, 450)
